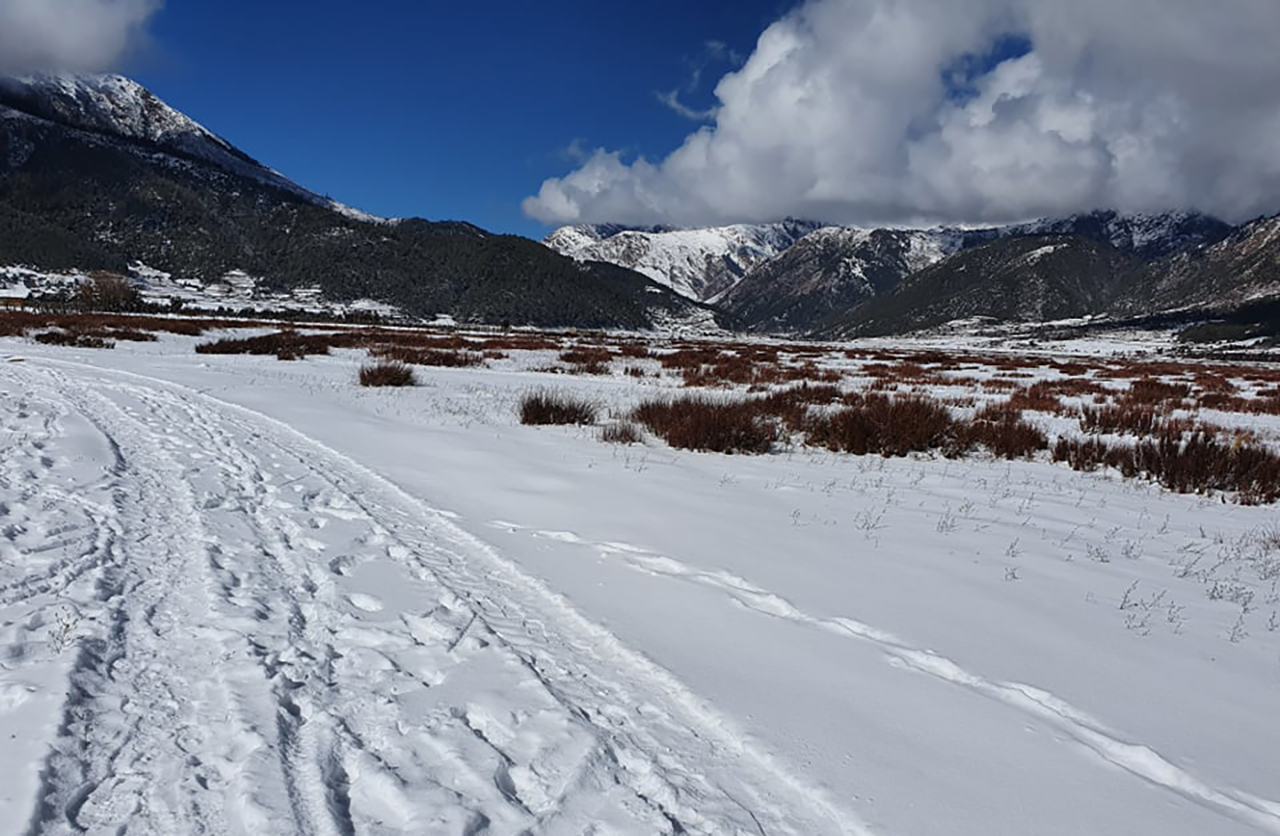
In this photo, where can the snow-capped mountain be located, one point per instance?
(97, 173)
(1147, 236)
(113, 105)
(698, 263)
(831, 270)
(1243, 268)
(826, 271)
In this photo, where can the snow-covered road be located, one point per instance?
(246, 597)
(265, 637)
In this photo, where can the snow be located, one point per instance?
(697, 263)
(300, 606)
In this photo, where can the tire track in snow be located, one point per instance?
(1109, 745)
(132, 712)
(674, 754)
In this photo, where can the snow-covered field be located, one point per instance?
(245, 596)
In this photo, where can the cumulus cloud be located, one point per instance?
(80, 35)
(905, 111)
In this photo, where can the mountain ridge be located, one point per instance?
(98, 173)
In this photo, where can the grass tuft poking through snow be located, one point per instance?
(554, 407)
(387, 373)
(621, 432)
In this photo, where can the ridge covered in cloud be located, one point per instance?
(75, 35)
(905, 112)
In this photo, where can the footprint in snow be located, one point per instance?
(365, 603)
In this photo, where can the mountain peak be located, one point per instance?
(120, 108)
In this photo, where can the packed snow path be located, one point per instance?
(256, 635)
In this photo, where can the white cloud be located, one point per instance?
(80, 35)
(843, 112)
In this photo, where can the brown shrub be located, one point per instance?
(287, 343)
(586, 357)
(1000, 429)
(1150, 391)
(634, 351)
(716, 426)
(73, 339)
(554, 407)
(1038, 397)
(888, 426)
(1199, 463)
(387, 373)
(1120, 419)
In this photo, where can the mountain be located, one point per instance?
(831, 271)
(1239, 269)
(1147, 236)
(700, 264)
(822, 275)
(1012, 279)
(98, 173)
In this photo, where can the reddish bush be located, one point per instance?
(695, 423)
(1196, 464)
(888, 426)
(73, 339)
(1120, 419)
(1001, 430)
(1149, 391)
(288, 343)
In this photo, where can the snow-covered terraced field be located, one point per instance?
(243, 596)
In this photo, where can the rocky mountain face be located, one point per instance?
(1031, 279)
(832, 271)
(700, 264)
(842, 279)
(1243, 268)
(97, 173)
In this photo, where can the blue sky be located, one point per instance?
(405, 108)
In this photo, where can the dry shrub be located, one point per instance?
(888, 426)
(1120, 419)
(716, 426)
(729, 370)
(73, 339)
(287, 344)
(621, 432)
(556, 408)
(1199, 463)
(812, 373)
(693, 358)
(448, 359)
(586, 356)
(792, 405)
(387, 373)
(636, 371)
(1211, 382)
(1264, 405)
(1070, 369)
(1038, 397)
(130, 335)
(1000, 429)
(1149, 391)
(634, 351)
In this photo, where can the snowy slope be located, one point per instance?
(697, 263)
